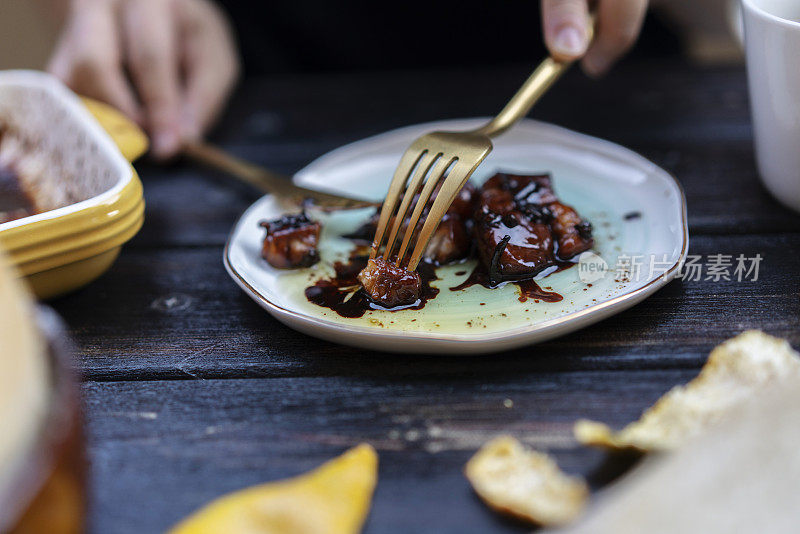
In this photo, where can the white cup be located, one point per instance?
(772, 45)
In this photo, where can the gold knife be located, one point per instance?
(268, 181)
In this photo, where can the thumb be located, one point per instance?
(566, 24)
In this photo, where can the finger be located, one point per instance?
(99, 79)
(88, 59)
(211, 67)
(566, 28)
(151, 43)
(207, 90)
(618, 26)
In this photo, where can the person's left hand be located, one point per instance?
(167, 64)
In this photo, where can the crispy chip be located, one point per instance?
(526, 484)
(735, 370)
(332, 499)
(739, 477)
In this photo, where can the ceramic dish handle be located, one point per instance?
(129, 138)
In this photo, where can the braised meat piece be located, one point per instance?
(521, 190)
(533, 196)
(291, 242)
(464, 203)
(512, 246)
(574, 234)
(451, 240)
(512, 233)
(390, 285)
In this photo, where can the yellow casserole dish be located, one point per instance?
(85, 150)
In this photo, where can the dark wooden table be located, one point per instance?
(191, 390)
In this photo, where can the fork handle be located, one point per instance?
(545, 75)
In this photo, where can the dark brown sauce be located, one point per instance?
(632, 216)
(15, 202)
(344, 295)
(528, 289)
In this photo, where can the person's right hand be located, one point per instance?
(566, 30)
(170, 65)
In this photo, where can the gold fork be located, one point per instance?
(453, 156)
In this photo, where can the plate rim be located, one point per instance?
(511, 338)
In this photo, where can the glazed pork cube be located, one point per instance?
(464, 203)
(512, 246)
(291, 242)
(521, 189)
(450, 242)
(534, 197)
(388, 284)
(512, 233)
(574, 235)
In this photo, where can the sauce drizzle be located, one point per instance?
(344, 295)
(528, 289)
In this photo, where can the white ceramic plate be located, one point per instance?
(603, 181)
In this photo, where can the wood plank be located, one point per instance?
(260, 401)
(696, 126)
(175, 313)
(723, 191)
(161, 449)
(640, 101)
(185, 207)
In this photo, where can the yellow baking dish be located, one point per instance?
(89, 148)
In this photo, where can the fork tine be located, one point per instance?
(407, 164)
(442, 164)
(459, 174)
(421, 171)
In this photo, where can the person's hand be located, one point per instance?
(167, 64)
(566, 24)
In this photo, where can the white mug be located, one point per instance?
(772, 45)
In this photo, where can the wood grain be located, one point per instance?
(174, 445)
(192, 390)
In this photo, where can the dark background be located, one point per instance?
(309, 36)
